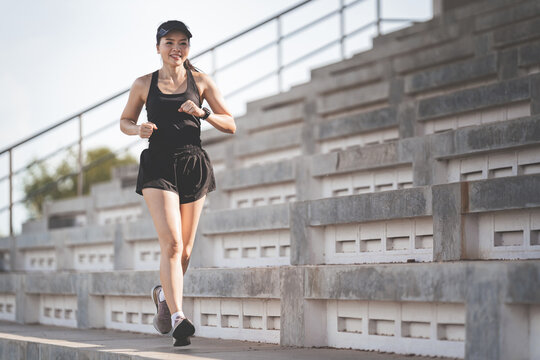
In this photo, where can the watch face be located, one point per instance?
(207, 111)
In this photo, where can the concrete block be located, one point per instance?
(122, 283)
(448, 227)
(394, 282)
(249, 219)
(68, 206)
(504, 193)
(436, 55)
(370, 207)
(294, 94)
(520, 292)
(453, 74)
(457, 10)
(477, 98)
(503, 135)
(116, 198)
(375, 156)
(529, 55)
(350, 77)
(483, 323)
(307, 242)
(141, 230)
(269, 140)
(122, 250)
(516, 33)
(64, 283)
(407, 120)
(535, 94)
(34, 225)
(506, 16)
(358, 123)
(258, 175)
(293, 315)
(508, 64)
(286, 114)
(241, 283)
(353, 98)
(37, 240)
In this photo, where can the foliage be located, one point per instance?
(38, 180)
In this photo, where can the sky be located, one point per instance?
(59, 57)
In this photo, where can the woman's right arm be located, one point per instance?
(130, 115)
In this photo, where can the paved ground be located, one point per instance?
(51, 342)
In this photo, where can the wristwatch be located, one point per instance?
(206, 113)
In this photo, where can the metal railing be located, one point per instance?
(278, 72)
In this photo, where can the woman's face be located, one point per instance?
(174, 47)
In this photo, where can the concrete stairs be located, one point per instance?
(392, 203)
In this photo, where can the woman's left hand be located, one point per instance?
(192, 109)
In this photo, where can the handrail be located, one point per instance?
(212, 51)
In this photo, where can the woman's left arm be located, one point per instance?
(220, 117)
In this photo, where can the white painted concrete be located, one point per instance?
(494, 165)
(7, 307)
(119, 215)
(252, 249)
(510, 234)
(96, 257)
(263, 195)
(130, 313)
(421, 328)
(147, 254)
(60, 310)
(235, 318)
(40, 260)
(397, 240)
(361, 182)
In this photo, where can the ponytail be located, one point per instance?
(189, 65)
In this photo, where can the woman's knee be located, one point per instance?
(186, 256)
(172, 247)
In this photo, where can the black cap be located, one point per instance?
(167, 26)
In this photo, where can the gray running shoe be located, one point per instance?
(183, 329)
(162, 319)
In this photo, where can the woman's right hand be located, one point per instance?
(146, 129)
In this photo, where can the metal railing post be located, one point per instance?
(279, 50)
(342, 28)
(80, 161)
(213, 52)
(11, 192)
(378, 17)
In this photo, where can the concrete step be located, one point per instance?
(37, 342)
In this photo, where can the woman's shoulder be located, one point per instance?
(199, 77)
(142, 84)
(144, 79)
(203, 80)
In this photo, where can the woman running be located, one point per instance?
(175, 172)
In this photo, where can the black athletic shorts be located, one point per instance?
(186, 170)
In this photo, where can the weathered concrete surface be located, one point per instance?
(41, 342)
(370, 207)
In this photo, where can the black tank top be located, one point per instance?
(174, 128)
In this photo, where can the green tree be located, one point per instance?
(38, 186)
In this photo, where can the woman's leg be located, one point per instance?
(191, 213)
(164, 209)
